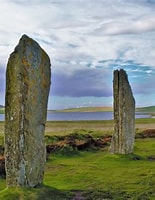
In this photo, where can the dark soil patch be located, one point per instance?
(151, 157)
(2, 167)
(77, 142)
(147, 133)
(80, 142)
(2, 162)
(78, 195)
(1, 150)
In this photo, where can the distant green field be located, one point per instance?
(104, 109)
(86, 109)
(2, 110)
(146, 109)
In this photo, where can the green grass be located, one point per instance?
(145, 121)
(67, 127)
(41, 193)
(98, 174)
(82, 123)
(1, 140)
(131, 175)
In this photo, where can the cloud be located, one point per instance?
(134, 27)
(84, 82)
(86, 41)
(88, 27)
(95, 79)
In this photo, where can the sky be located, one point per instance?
(86, 41)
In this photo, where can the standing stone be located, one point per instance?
(124, 115)
(28, 78)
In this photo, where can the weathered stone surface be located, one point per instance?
(124, 114)
(28, 78)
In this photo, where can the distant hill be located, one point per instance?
(86, 109)
(2, 109)
(146, 109)
(103, 109)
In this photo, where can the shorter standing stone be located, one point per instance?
(124, 115)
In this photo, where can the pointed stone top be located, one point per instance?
(26, 38)
(121, 70)
(28, 44)
(121, 73)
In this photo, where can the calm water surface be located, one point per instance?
(76, 116)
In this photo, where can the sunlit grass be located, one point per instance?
(99, 174)
(103, 171)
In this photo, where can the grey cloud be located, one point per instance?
(128, 27)
(96, 80)
(143, 88)
(87, 82)
(75, 32)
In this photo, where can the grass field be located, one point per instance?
(93, 174)
(87, 109)
(2, 110)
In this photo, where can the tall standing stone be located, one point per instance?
(124, 114)
(28, 78)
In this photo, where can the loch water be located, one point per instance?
(78, 116)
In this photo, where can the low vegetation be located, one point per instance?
(79, 164)
(104, 109)
(146, 109)
(87, 109)
(2, 110)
